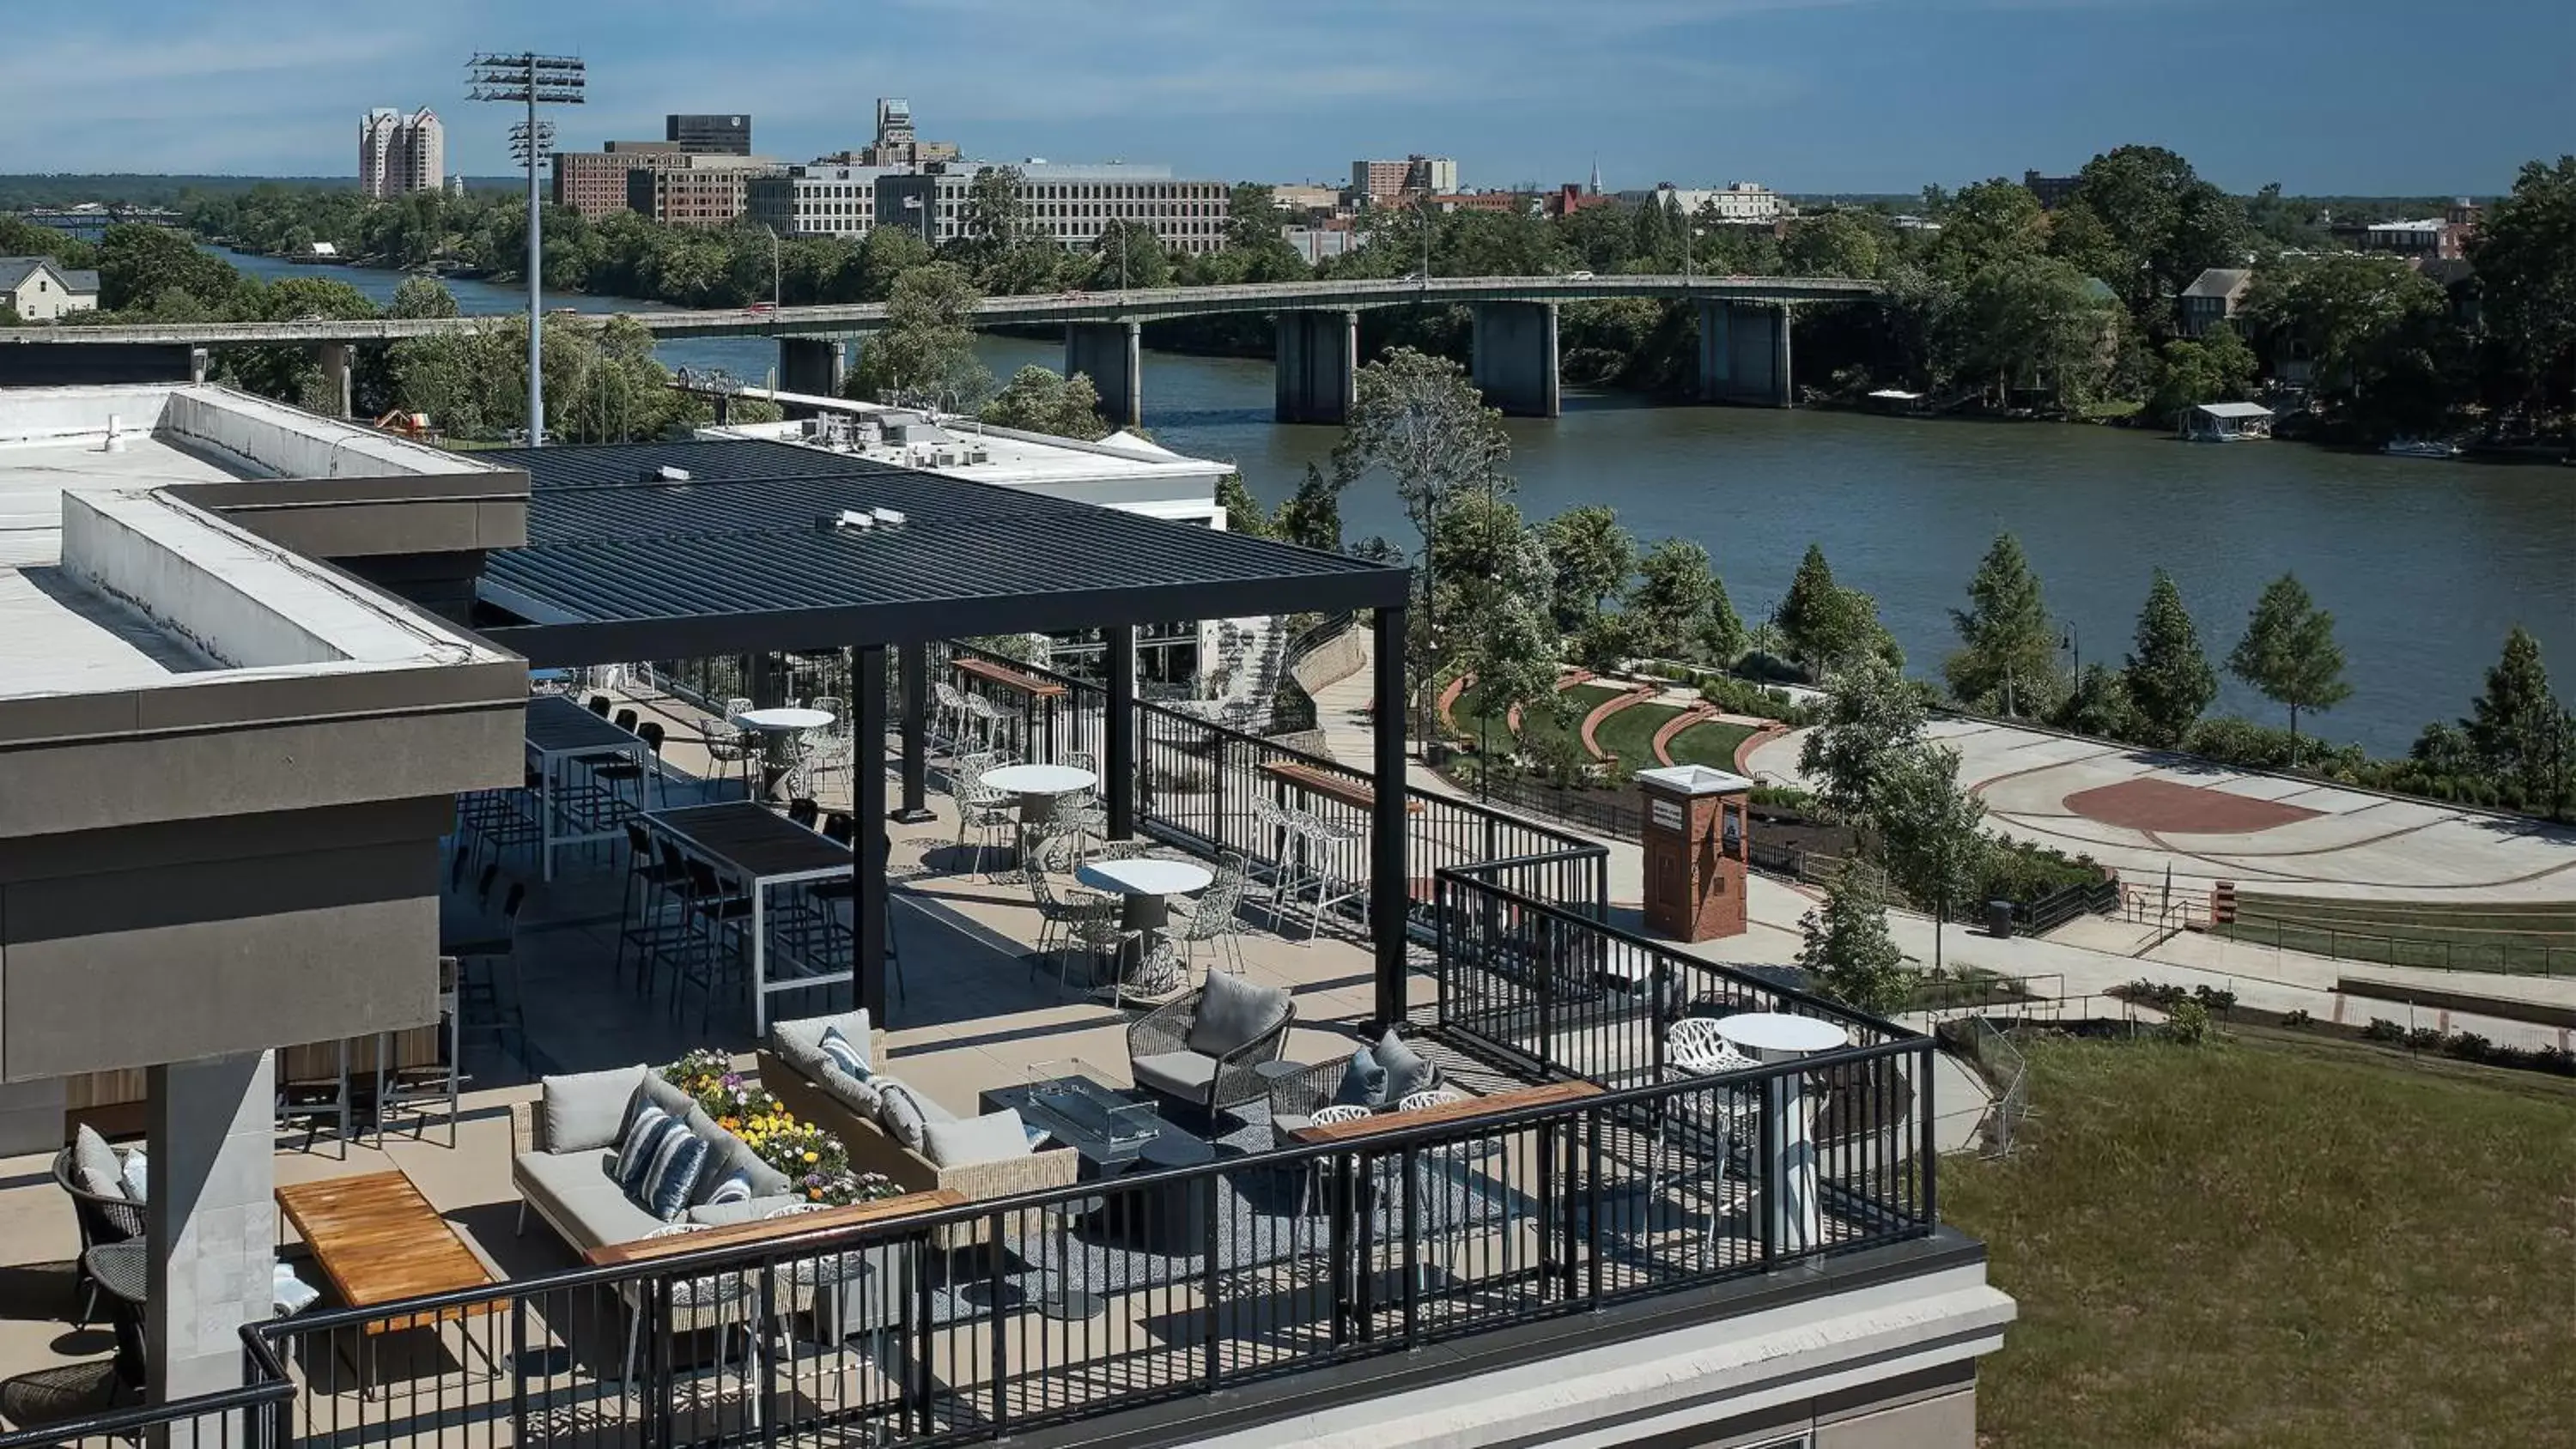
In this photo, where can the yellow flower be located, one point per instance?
(813, 1157)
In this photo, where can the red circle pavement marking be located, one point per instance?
(2163, 807)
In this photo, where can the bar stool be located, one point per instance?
(652, 890)
(720, 913)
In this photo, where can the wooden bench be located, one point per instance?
(777, 1230)
(1329, 785)
(1464, 1109)
(994, 674)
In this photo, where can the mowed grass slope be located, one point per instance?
(2291, 1247)
(2479, 935)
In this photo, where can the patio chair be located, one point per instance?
(649, 911)
(1215, 919)
(65, 1392)
(102, 1218)
(1710, 1127)
(479, 992)
(720, 921)
(599, 705)
(1200, 1049)
(992, 814)
(720, 1301)
(414, 1089)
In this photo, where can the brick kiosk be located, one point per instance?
(1695, 839)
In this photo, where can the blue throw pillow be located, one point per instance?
(1363, 1082)
(639, 1144)
(677, 1161)
(841, 1052)
(736, 1187)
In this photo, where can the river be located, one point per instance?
(2424, 565)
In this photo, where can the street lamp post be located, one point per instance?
(530, 79)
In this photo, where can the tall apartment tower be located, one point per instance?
(709, 135)
(400, 153)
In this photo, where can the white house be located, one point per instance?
(40, 290)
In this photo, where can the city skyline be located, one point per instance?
(1808, 95)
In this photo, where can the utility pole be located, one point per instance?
(528, 78)
(776, 291)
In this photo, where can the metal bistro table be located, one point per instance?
(1148, 884)
(764, 849)
(1038, 787)
(560, 732)
(779, 720)
(1771, 1037)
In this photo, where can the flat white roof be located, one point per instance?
(109, 583)
(1009, 456)
(2235, 410)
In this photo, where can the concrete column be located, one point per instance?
(198, 362)
(1111, 354)
(868, 805)
(1318, 366)
(914, 662)
(1118, 762)
(1514, 362)
(334, 357)
(1744, 354)
(810, 365)
(212, 1220)
(1390, 872)
(31, 1116)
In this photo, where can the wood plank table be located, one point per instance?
(379, 1241)
(1028, 685)
(1464, 1109)
(1329, 785)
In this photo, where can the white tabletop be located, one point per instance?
(1780, 1033)
(1146, 875)
(1039, 779)
(784, 719)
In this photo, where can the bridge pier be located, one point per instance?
(1514, 361)
(814, 365)
(1111, 354)
(1318, 366)
(1744, 354)
(334, 357)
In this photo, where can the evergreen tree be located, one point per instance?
(1805, 611)
(2290, 655)
(2011, 653)
(2513, 727)
(1243, 512)
(1845, 946)
(1312, 516)
(2168, 680)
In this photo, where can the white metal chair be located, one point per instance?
(1215, 918)
(992, 814)
(723, 1301)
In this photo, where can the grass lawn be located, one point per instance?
(2291, 1246)
(1711, 743)
(1578, 701)
(1630, 734)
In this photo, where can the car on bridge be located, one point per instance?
(1578, 276)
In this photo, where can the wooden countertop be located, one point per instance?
(991, 673)
(379, 1241)
(1330, 785)
(1464, 1109)
(777, 1230)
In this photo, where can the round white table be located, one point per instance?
(1148, 884)
(1039, 787)
(1789, 1177)
(775, 720)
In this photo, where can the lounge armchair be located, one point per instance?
(1201, 1049)
(105, 1212)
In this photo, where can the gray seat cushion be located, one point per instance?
(1185, 1075)
(574, 1192)
(995, 1137)
(1233, 1013)
(582, 1112)
(1364, 1082)
(905, 1111)
(727, 1214)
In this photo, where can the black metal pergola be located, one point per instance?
(688, 550)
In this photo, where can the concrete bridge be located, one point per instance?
(1743, 331)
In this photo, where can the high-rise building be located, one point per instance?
(1070, 205)
(2052, 191)
(1377, 183)
(896, 143)
(400, 153)
(709, 135)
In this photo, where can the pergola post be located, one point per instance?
(868, 841)
(916, 734)
(1390, 874)
(1118, 766)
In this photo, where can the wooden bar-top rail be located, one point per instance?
(1464, 1109)
(777, 1230)
(991, 673)
(1330, 785)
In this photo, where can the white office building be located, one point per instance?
(1738, 203)
(817, 200)
(1068, 204)
(399, 154)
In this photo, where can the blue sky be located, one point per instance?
(2326, 96)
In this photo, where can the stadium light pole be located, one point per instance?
(529, 79)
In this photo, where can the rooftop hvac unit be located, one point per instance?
(979, 454)
(667, 474)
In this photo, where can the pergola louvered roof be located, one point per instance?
(746, 554)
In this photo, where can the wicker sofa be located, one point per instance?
(792, 1069)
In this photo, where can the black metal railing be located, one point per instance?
(1554, 993)
(252, 1417)
(1107, 1295)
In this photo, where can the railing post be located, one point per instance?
(518, 1371)
(922, 1331)
(1592, 1206)
(765, 1408)
(1216, 792)
(1338, 1279)
(1766, 1163)
(1001, 1365)
(1927, 1152)
(1209, 1279)
(1412, 1264)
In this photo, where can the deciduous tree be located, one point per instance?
(2290, 655)
(1845, 947)
(1039, 400)
(927, 350)
(1593, 557)
(1931, 832)
(2168, 680)
(1312, 516)
(2513, 726)
(1869, 718)
(2525, 253)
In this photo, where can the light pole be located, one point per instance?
(529, 78)
(776, 291)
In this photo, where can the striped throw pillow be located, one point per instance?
(677, 1161)
(645, 1130)
(841, 1052)
(736, 1187)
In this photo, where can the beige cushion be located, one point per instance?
(581, 1112)
(860, 1097)
(573, 1191)
(993, 1138)
(727, 1214)
(800, 1043)
(1185, 1075)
